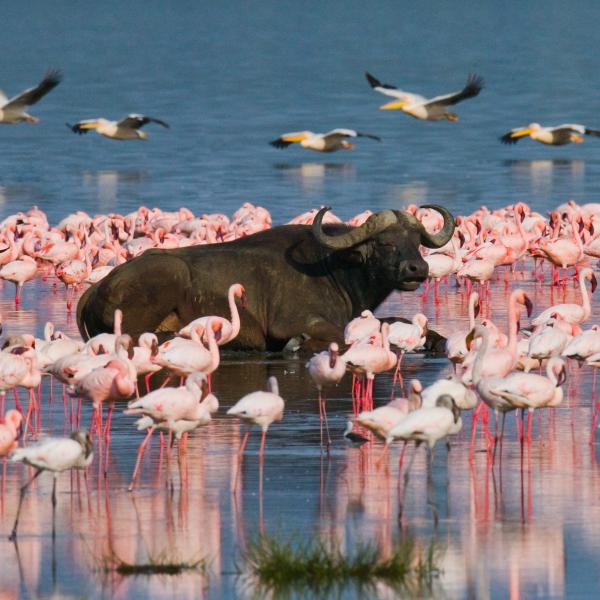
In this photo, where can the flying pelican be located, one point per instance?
(551, 136)
(127, 128)
(433, 109)
(13, 111)
(321, 142)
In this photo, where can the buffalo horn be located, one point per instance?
(373, 225)
(444, 235)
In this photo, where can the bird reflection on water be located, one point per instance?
(503, 527)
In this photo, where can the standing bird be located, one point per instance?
(573, 313)
(326, 368)
(259, 408)
(551, 136)
(361, 327)
(419, 107)
(55, 455)
(19, 271)
(333, 140)
(127, 128)
(13, 111)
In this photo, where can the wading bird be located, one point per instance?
(551, 136)
(127, 128)
(333, 140)
(13, 111)
(55, 455)
(419, 107)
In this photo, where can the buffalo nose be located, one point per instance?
(416, 269)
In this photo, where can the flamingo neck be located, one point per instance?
(213, 348)
(585, 298)
(577, 238)
(480, 356)
(512, 326)
(235, 315)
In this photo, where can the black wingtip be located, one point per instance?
(593, 132)
(373, 82)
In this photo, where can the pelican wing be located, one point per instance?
(570, 127)
(34, 94)
(138, 121)
(473, 86)
(344, 133)
(389, 90)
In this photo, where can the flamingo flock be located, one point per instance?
(493, 370)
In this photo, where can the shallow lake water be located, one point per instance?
(524, 527)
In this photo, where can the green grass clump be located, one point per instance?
(156, 565)
(317, 566)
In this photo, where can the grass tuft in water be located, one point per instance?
(161, 564)
(316, 565)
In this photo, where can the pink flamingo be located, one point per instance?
(259, 408)
(177, 409)
(368, 360)
(440, 266)
(105, 342)
(529, 391)
(456, 347)
(143, 354)
(573, 313)
(407, 337)
(19, 271)
(229, 329)
(182, 357)
(361, 327)
(326, 368)
(73, 273)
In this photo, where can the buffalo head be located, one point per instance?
(388, 244)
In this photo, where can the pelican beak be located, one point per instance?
(294, 137)
(594, 283)
(528, 306)
(90, 125)
(522, 133)
(393, 105)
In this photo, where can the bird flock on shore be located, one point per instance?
(13, 110)
(493, 370)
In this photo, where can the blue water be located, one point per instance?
(230, 77)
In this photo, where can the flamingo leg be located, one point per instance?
(13, 536)
(139, 457)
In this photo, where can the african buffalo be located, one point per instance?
(299, 280)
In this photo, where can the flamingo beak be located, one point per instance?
(217, 332)
(455, 411)
(130, 350)
(244, 299)
(332, 359)
(477, 308)
(581, 225)
(522, 215)
(562, 376)
(528, 306)
(469, 339)
(594, 283)
(154, 348)
(461, 238)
